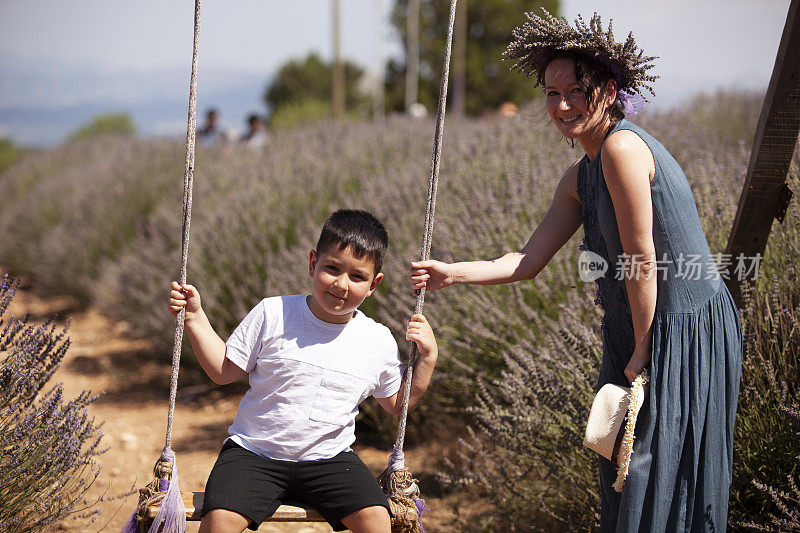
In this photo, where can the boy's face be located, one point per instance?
(340, 282)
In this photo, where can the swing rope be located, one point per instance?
(188, 183)
(164, 488)
(396, 481)
(427, 236)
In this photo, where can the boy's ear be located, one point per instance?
(375, 282)
(312, 262)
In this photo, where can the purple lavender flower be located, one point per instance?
(47, 444)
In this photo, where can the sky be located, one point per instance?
(64, 62)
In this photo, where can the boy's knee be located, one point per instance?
(372, 519)
(219, 520)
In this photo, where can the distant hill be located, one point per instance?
(157, 101)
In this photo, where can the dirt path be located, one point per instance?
(133, 410)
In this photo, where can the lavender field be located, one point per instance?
(100, 220)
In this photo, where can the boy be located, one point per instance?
(311, 360)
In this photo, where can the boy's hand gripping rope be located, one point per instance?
(164, 487)
(396, 481)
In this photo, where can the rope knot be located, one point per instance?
(163, 467)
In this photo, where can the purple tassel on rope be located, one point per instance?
(632, 102)
(132, 525)
(421, 508)
(171, 511)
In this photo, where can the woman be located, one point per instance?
(665, 306)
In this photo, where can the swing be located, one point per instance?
(162, 507)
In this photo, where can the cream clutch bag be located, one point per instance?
(607, 432)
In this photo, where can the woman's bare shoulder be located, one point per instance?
(624, 151)
(624, 141)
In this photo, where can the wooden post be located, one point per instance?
(766, 192)
(380, 62)
(338, 69)
(460, 59)
(412, 54)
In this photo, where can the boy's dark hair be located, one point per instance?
(357, 229)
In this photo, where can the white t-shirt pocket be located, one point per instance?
(337, 398)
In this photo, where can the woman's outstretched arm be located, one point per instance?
(557, 226)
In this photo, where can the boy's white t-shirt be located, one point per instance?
(307, 378)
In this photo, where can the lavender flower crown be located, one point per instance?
(539, 39)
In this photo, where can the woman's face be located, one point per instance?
(568, 105)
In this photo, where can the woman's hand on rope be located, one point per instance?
(420, 332)
(184, 297)
(431, 274)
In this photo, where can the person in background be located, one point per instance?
(210, 134)
(256, 135)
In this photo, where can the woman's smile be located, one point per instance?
(569, 120)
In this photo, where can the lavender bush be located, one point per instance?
(784, 514)
(524, 452)
(47, 444)
(72, 208)
(766, 445)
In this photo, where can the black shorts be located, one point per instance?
(255, 486)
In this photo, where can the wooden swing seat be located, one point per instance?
(292, 512)
(285, 513)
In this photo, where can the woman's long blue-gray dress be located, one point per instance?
(680, 471)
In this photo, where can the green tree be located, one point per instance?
(306, 85)
(106, 124)
(9, 152)
(489, 82)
